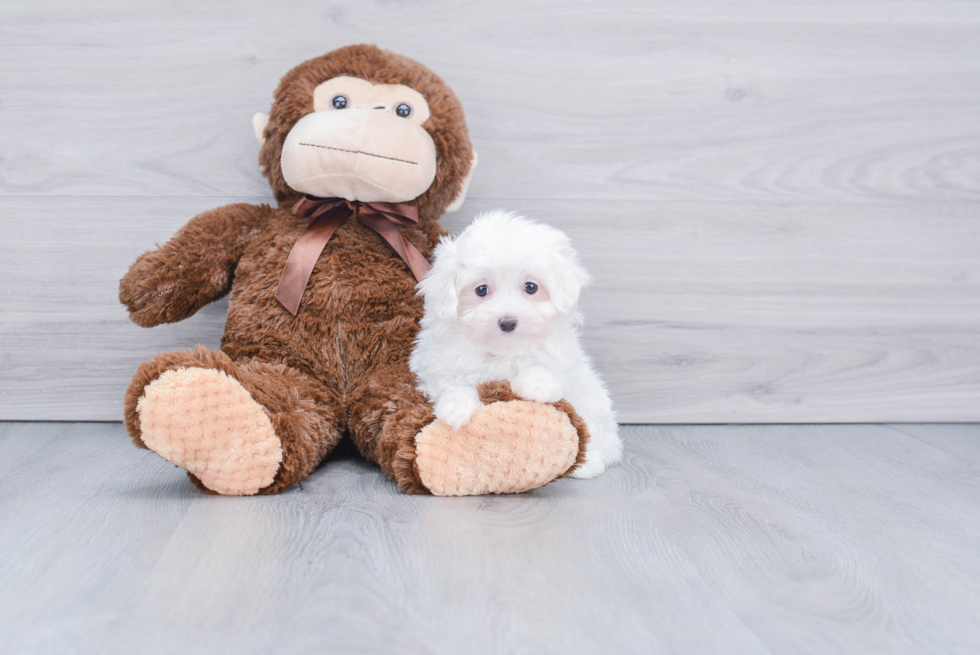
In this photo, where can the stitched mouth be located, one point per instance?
(360, 152)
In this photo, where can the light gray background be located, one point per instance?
(778, 200)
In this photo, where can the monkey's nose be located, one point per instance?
(507, 323)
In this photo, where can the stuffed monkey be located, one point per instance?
(364, 150)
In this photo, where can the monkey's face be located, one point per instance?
(366, 124)
(362, 141)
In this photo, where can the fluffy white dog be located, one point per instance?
(500, 304)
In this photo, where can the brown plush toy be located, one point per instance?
(364, 150)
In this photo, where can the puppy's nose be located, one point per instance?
(507, 323)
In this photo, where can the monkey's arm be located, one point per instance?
(194, 268)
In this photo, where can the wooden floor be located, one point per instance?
(718, 539)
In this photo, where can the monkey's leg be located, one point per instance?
(509, 446)
(237, 427)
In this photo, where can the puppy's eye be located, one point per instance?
(482, 290)
(530, 287)
(339, 102)
(403, 110)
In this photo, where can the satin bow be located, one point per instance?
(328, 214)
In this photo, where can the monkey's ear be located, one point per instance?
(259, 121)
(458, 200)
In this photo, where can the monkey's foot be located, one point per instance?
(206, 422)
(507, 447)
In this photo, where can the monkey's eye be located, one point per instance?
(339, 102)
(482, 290)
(403, 110)
(530, 287)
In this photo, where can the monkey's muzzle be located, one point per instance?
(359, 154)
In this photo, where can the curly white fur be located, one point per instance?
(505, 269)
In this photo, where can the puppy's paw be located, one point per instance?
(590, 468)
(602, 451)
(456, 406)
(537, 384)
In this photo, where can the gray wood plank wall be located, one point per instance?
(778, 200)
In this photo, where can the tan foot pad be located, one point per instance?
(207, 422)
(507, 447)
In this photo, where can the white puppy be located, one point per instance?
(500, 304)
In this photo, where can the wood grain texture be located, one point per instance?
(707, 539)
(959, 440)
(755, 100)
(779, 201)
(699, 314)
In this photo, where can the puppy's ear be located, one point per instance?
(567, 278)
(438, 287)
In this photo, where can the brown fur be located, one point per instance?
(341, 364)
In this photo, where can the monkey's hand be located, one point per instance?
(194, 268)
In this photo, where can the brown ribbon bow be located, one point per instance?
(328, 214)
